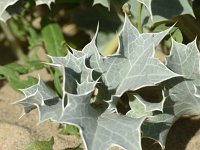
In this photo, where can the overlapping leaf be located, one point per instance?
(141, 108)
(48, 2)
(182, 94)
(147, 3)
(101, 131)
(78, 88)
(47, 102)
(10, 7)
(93, 123)
(105, 3)
(132, 67)
(160, 10)
(3, 5)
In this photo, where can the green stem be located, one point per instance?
(139, 16)
(13, 42)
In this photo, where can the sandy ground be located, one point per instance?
(16, 133)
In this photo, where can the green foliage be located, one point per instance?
(12, 73)
(41, 145)
(53, 38)
(69, 130)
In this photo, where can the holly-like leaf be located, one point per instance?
(93, 124)
(40, 96)
(84, 72)
(141, 108)
(184, 59)
(147, 3)
(160, 10)
(105, 3)
(10, 7)
(48, 2)
(182, 94)
(101, 131)
(133, 63)
(4, 15)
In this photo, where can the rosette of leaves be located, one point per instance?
(133, 66)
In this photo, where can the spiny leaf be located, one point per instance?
(141, 108)
(94, 125)
(105, 3)
(48, 2)
(79, 111)
(161, 10)
(84, 72)
(147, 3)
(15, 6)
(182, 94)
(133, 63)
(40, 96)
(3, 5)
(157, 127)
(104, 131)
(184, 59)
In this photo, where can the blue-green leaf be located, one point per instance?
(105, 3)
(133, 66)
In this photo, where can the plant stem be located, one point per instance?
(14, 45)
(139, 20)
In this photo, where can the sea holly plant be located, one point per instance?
(133, 66)
(93, 85)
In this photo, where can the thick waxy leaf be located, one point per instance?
(48, 2)
(161, 10)
(132, 67)
(133, 63)
(48, 104)
(182, 94)
(141, 108)
(157, 127)
(101, 131)
(147, 3)
(15, 6)
(5, 14)
(105, 3)
(93, 124)
(184, 59)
